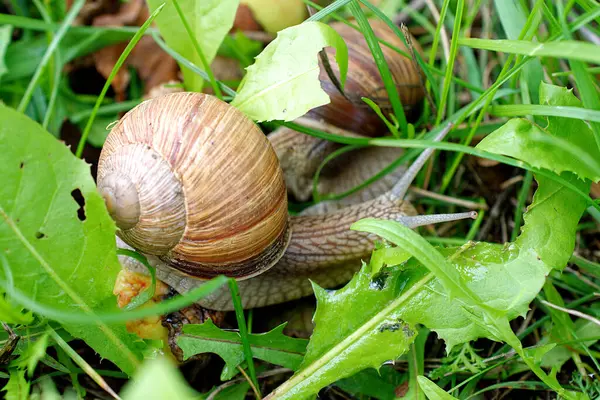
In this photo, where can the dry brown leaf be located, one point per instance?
(153, 65)
(244, 20)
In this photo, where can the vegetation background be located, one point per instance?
(517, 78)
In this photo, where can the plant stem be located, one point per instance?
(241, 320)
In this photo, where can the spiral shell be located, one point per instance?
(364, 80)
(190, 179)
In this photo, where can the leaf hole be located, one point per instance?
(78, 197)
(21, 165)
(39, 235)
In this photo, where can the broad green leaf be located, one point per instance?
(12, 314)
(433, 391)
(56, 252)
(158, 379)
(209, 20)
(17, 387)
(563, 145)
(5, 36)
(471, 293)
(284, 83)
(273, 346)
(570, 49)
(274, 16)
(504, 279)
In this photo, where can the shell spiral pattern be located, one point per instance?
(190, 179)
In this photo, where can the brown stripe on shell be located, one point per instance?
(239, 270)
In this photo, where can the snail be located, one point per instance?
(348, 115)
(348, 111)
(194, 184)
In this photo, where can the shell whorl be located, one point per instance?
(190, 179)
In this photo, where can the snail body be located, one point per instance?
(203, 201)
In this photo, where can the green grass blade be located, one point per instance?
(118, 64)
(48, 54)
(162, 308)
(384, 69)
(450, 66)
(188, 64)
(194, 40)
(241, 320)
(515, 110)
(569, 49)
(328, 10)
(89, 370)
(585, 83)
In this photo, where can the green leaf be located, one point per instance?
(32, 354)
(570, 49)
(283, 83)
(379, 384)
(433, 391)
(17, 387)
(513, 17)
(55, 252)
(210, 20)
(273, 346)
(5, 36)
(158, 379)
(564, 145)
(560, 354)
(12, 314)
(470, 294)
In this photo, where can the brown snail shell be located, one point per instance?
(363, 80)
(192, 180)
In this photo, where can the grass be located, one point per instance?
(478, 85)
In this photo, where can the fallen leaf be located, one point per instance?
(152, 64)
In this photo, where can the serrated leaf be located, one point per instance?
(273, 346)
(209, 20)
(471, 293)
(284, 83)
(564, 145)
(17, 387)
(158, 379)
(33, 353)
(56, 253)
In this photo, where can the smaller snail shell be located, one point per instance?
(190, 179)
(364, 80)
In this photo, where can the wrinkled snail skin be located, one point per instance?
(196, 186)
(300, 156)
(322, 249)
